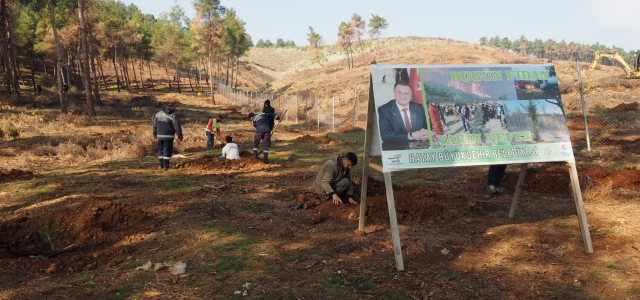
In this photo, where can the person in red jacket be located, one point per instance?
(213, 129)
(436, 121)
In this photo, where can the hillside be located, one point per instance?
(298, 76)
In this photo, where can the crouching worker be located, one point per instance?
(230, 150)
(264, 125)
(334, 179)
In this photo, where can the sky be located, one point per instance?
(609, 22)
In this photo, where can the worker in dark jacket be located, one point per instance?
(166, 125)
(334, 182)
(269, 109)
(263, 124)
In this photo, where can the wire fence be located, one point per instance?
(611, 107)
(602, 112)
(325, 114)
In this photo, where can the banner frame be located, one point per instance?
(371, 120)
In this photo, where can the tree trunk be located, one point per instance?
(151, 77)
(91, 112)
(198, 76)
(69, 79)
(232, 82)
(213, 97)
(6, 65)
(135, 78)
(115, 67)
(125, 74)
(189, 75)
(168, 79)
(16, 69)
(227, 79)
(60, 51)
(33, 68)
(141, 70)
(178, 79)
(237, 71)
(104, 80)
(96, 82)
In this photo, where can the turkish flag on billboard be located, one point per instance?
(414, 81)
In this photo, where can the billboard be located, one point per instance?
(463, 115)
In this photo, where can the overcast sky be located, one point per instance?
(610, 22)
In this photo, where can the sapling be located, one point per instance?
(49, 233)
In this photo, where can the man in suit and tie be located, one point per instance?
(402, 120)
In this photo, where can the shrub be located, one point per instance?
(45, 80)
(9, 131)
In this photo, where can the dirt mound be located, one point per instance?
(349, 128)
(14, 174)
(143, 101)
(211, 162)
(576, 124)
(627, 178)
(624, 107)
(556, 180)
(61, 234)
(421, 205)
(312, 139)
(417, 205)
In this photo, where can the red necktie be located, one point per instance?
(407, 123)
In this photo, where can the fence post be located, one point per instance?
(296, 109)
(355, 98)
(584, 107)
(286, 104)
(333, 114)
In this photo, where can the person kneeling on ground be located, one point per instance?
(334, 179)
(230, 150)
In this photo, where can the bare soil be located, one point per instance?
(79, 227)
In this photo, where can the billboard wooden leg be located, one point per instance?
(363, 196)
(395, 233)
(365, 157)
(516, 194)
(582, 216)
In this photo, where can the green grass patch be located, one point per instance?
(287, 256)
(249, 208)
(572, 287)
(86, 278)
(132, 265)
(448, 275)
(394, 296)
(122, 292)
(227, 262)
(179, 184)
(595, 274)
(612, 266)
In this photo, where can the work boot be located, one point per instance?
(494, 189)
(266, 158)
(255, 153)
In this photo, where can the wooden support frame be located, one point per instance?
(577, 197)
(371, 128)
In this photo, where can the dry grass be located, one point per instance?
(598, 192)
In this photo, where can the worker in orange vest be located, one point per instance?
(213, 128)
